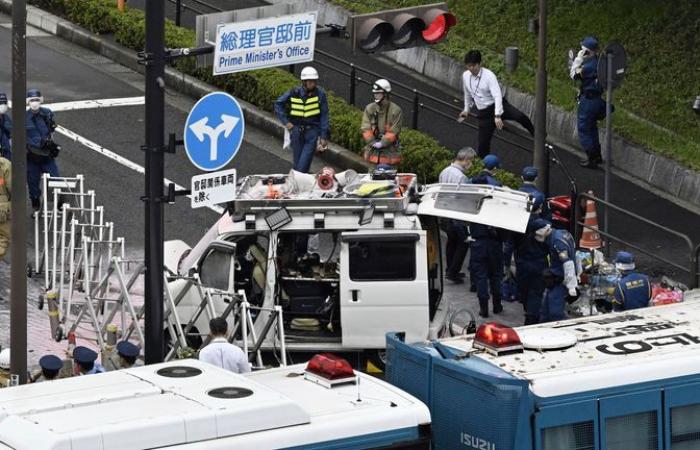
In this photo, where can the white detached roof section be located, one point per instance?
(476, 203)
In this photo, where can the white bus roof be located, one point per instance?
(611, 350)
(140, 408)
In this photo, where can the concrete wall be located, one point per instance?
(643, 166)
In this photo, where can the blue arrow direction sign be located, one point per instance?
(214, 131)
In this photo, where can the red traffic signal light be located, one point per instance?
(401, 28)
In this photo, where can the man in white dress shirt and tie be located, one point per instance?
(481, 89)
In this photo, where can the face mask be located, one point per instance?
(3, 109)
(378, 97)
(34, 105)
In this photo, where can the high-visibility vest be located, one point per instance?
(309, 108)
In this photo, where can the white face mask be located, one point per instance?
(34, 105)
(378, 97)
(3, 109)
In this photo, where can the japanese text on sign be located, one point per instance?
(265, 43)
(213, 188)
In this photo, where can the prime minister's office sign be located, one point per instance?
(270, 42)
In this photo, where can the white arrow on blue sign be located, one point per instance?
(214, 131)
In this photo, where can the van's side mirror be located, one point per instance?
(217, 266)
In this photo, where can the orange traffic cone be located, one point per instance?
(590, 238)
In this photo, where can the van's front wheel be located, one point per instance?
(377, 357)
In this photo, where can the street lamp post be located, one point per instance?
(541, 158)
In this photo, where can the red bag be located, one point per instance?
(664, 296)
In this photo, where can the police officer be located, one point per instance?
(41, 149)
(128, 353)
(50, 368)
(634, 289)
(84, 360)
(5, 203)
(381, 126)
(530, 263)
(488, 174)
(591, 106)
(5, 129)
(529, 177)
(304, 112)
(457, 245)
(560, 278)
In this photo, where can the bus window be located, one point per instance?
(685, 427)
(575, 436)
(635, 431)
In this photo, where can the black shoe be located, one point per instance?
(497, 309)
(36, 204)
(472, 288)
(454, 279)
(484, 314)
(461, 274)
(588, 163)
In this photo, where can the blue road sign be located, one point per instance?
(214, 131)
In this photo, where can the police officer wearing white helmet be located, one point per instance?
(381, 126)
(303, 110)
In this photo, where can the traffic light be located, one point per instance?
(400, 28)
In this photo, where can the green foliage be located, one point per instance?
(422, 153)
(661, 39)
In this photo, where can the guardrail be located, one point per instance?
(692, 265)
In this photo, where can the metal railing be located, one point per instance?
(692, 257)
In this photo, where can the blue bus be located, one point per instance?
(623, 381)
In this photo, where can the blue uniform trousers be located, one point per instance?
(486, 266)
(303, 140)
(589, 112)
(34, 171)
(554, 304)
(530, 289)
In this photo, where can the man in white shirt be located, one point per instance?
(220, 352)
(481, 89)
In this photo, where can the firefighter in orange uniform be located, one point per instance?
(381, 126)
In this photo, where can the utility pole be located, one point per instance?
(155, 117)
(541, 158)
(18, 226)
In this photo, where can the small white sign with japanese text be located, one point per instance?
(213, 188)
(257, 44)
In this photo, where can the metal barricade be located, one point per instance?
(692, 257)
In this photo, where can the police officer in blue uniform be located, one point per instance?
(487, 175)
(128, 353)
(486, 253)
(304, 112)
(560, 278)
(591, 106)
(84, 360)
(41, 149)
(50, 368)
(5, 129)
(529, 177)
(634, 289)
(530, 263)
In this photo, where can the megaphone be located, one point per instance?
(346, 177)
(325, 179)
(301, 182)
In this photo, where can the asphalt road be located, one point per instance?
(513, 145)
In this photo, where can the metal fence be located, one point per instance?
(690, 268)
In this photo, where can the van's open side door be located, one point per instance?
(476, 203)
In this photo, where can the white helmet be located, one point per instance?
(308, 73)
(381, 86)
(5, 359)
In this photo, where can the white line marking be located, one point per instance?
(92, 104)
(120, 159)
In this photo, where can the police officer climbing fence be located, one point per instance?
(634, 289)
(591, 106)
(41, 148)
(560, 279)
(381, 127)
(5, 129)
(304, 112)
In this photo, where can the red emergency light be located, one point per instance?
(438, 24)
(328, 369)
(497, 339)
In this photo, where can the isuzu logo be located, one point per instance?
(470, 441)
